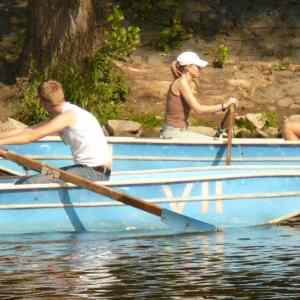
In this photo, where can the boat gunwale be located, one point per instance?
(173, 158)
(238, 141)
(229, 197)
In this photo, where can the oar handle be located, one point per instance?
(82, 182)
(230, 133)
(225, 118)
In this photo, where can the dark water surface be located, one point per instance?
(256, 263)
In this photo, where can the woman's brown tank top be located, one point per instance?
(177, 110)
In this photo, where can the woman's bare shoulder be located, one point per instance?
(176, 86)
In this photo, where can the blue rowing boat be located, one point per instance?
(146, 154)
(220, 197)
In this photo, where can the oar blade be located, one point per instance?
(230, 134)
(184, 224)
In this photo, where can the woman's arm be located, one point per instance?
(187, 93)
(30, 134)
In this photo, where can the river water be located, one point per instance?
(249, 263)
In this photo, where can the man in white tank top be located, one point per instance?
(77, 127)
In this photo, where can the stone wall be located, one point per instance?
(257, 28)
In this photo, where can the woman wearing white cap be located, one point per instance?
(181, 100)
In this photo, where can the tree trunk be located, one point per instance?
(60, 31)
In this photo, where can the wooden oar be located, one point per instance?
(179, 223)
(8, 172)
(231, 112)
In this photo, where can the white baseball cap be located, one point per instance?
(191, 58)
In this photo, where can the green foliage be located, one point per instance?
(281, 66)
(245, 123)
(164, 16)
(97, 85)
(221, 55)
(108, 86)
(148, 120)
(98, 88)
(171, 37)
(120, 41)
(30, 111)
(271, 119)
(12, 45)
(200, 122)
(140, 10)
(153, 11)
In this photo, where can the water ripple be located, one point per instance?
(260, 263)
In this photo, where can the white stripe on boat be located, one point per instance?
(135, 181)
(161, 201)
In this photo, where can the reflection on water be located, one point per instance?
(258, 263)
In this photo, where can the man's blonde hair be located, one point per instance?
(52, 91)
